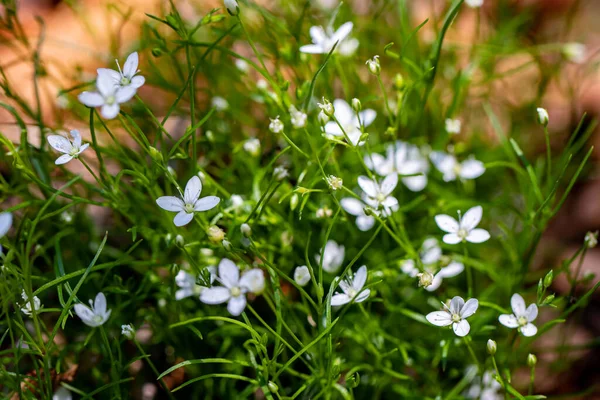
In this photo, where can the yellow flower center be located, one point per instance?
(235, 291)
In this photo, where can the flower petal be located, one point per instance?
(508, 320)
(193, 188)
(352, 206)
(215, 295)
(367, 117)
(531, 312)
(343, 112)
(114, 75)
(456, 304)
(447, 223)
(360, 278)
(131, 65)
(389, 184)
(206, 203)
(253, 280)
(317, 34)
(339, 299)
(236, 305)
(439, 318)
(469, 308)
(443, 162)
(471, 218)
(365, 222)
(453, 269)
(110, 111)
(461, 328)
(137, 81)
(452, 238)
(312, 49)
(105, 84)
(342, 32)
(528, 330)
(430, 251)
(124, 94)
(435, 283)
(76, 138)
(518, 305)
(170, 203)
(6, 219)
(65, 158)
(229, 273)
(84, 313)
(471, 169)
(60, 143)
(415, 183)
(331, 128)
(478, 236)
(185, 280)
(100, 303)
(367, 185)
(183, 218)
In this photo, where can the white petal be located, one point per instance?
(137, 81)
(91, 99)
(302, 275)
(365, 222)
(389, 184)
(531, 312)
(415, 183)
(443, 162)
(469, 308)
(317, 34)
(343, 112)
(236, 305)
(60, 143)
(461, 328)
(76, 138)
(192, 190)
(342, 32)
(456, 304)
(62, 394)
(65, 158)
(508, 320)
(354, 135)
(368, 186)
(185, 280)
(100, 303)
(360, 278)
(409, 268)
(435, 283)
(367, 117)
(83, 147)
(206, 203)
(312, 49)
(253, 280)
(478, 236)
(471, 218)
(528, 330)
(106, 85)
(453, 269)
(332, 128)
(215, 295)
(110, 111)
(183, 293)
(339, 299)
(84, 313)
(451, 238)
(439, 318)
(352, 206)
(518, 305)
(124, 94)
(6, 220)
(430, 251)
(183, 218)
(447, 223)
(114, 75)
(131, 65)
(170, 203)
(229, 273)
(362, 296)
(471, 169)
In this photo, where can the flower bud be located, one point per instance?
(294, 202)
(298, 118)
(273, 387)
(374, 65)
(491, 347)
(327, 107)
(356, 105)
(548, 279)
(156, 52)
(232, 7)
(425, 279)
(575, 52)
(323, 118)
(252, 146)
(591, 239)
(399, 82)
(276, 126)
(246, 230)
(542, 116)
(155, 154)
(226, 244)
(531, 360)
(215, 234)
(179, 240)
(302, 275)
(171, 171)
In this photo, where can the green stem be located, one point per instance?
(151, 364)
(113, 371)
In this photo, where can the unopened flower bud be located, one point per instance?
(232, 7)
(531, 360)
(273, 387)
(548, 279)
(542, 116)
(323, 118)
(327, 107)
(374, 65)
(491, 347)
(591, 239)
(399, 82)
(302, 275)
(171, 171)
(155, 154)
(226, 244)
(215, 234)
(276, 126)
(179, 240)
(425, 279)
(246, 230)
(356, 105)
(294, 201)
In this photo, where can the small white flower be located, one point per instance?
(6, 220)
(455, 315)
(521, 317)
(590, 240)
(189, 203)
(474, 3)
(127, 77)
(453, 126)
(242, 65)
(128, 331)
(280, 173)
(449, 166)
(575, 52)
(352, 288)
(302, 275)
(404, 159)
(276, 126)
(252, 146)
(463, 229)
(324, 212)
(108, 96)
(425, 279)
(71, 149)
(374, 65)
(96, 314)
(219, 103)
(234, 288)
(333, 256)
(350, 121)
(542, 116)
(232, 6)
(486, 388)
(26, 308)
(356, 207)
(62, 394)
(334, 182)
(187, 283)
(236, 201)
(379, 195)
(298, 118)
(324, 40)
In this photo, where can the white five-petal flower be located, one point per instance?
(26, 308)
(464, 229)
(404, 159)
(108, 96)
(187, 283)
(189, 203)
(96, 314)
(325, 39)
(126, 77)
(6, 220)
(379, 195)
(521, 317)
(350, 121)
(333, 256)
(449, 166)
(234, 287)
(71, 149)
(455, 315)
(352, 288)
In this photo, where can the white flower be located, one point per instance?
(378, 195)
(189, 203)
(234, 288)
(128, 331)
(486, 388)
(96, 314)
(71, 149)
(348, 46)
(324, 40)
(350, 121)
(356, 207)
(521, 317)
(26, 308)
(543, 116)
(298, 117)
(252, 146)
(333, 256)
(6, 220)
(455, 315)
(62, 394)
(352, 288)
(232, 6)
(126, 77)
(187, 283)
(449, 166)
(242, 65)
(219, 103)
(463, 229)
(280, 173)
(334, 182)
(302, 275)
(108, 96)
(215, 234)
(575, 52)
(474, 3)
(404, 159)
(425, 279)
(324, 212)
(374, 65)
(453, 126)
(590, 240)
(276, 126)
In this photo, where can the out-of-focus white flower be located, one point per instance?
(425, 279)
(455, 315)
(522, 317)
(276, 126)
(464, 229)
(234, 287)
(474, 3)
(189, 203)
(333, 256)
(449, 166)
(404, 159)
(485, 388)
(324, 212)
(302, 275)
(352, 288)
(108, 96)
(298, 117)
(26, 308)
(280, 173)
(252, 146)
(590, 240)
(96, 314)
(187, 283)
(379, 195)
(6, 220)
(127, 331)
(350, 121)
(453, 126)
(325, 39)
(242, 65)
(575, 52)
(71, 149)
(215, 234)
(232, 6)
(348, 46)
(334, 182)
(62, 394)
(246, 230)
(356, 207)
(219, 103)
(127, 77)
(374, 65)
(542, 116)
